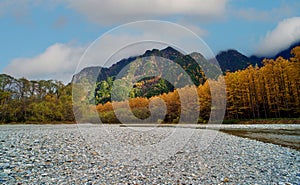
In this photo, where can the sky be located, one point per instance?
(47, 39)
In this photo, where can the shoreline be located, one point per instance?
(283, 137)
(225, 122)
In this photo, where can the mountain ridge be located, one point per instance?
(103, 73)
(229, 60)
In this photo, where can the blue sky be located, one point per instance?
(45, 39)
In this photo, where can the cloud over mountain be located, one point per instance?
(285, 34)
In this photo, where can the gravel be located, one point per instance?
(66, 154)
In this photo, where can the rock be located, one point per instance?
(7, 171)
(36, 141)
(225, 179)
(179, 152)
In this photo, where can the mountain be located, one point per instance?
(152, 77)
(101, 73)
(185, 61)
(287, 52)
(232, 60)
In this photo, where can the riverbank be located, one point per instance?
(230, 122)
(287, 137)
(60, 154)
(270, 121)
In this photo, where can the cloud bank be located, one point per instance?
(56, 62)
(285, 34)
(120, 11)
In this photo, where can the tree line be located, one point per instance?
(272, 91)
(22, 100)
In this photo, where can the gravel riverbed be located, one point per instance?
(64, 154)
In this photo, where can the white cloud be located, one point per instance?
(110, 12)
(120, 11)
(56, 62)
(285, 34)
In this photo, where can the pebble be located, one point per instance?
(6, 171)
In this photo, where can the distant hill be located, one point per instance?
(232, 60)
